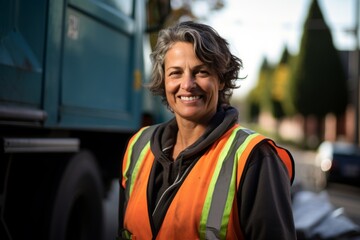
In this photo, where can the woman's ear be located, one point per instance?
(221, 86)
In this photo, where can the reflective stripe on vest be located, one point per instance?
(223, 187)
(137, 147)
(218, 204)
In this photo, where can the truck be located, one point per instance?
(71, 95)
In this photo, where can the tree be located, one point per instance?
(319, 81)
(162, 13)
(258, 98)
(279, 86)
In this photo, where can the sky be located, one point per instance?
(258, 29)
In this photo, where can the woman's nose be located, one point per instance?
(188, 82)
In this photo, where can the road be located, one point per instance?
(347, 197)
(111, 211)
(313, 179)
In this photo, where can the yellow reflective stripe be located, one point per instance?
(243, 146)
(229, 204)
(210, 192)
(137, 165)
(130, 149)
(208, 207)
(240, 150)
(232, 187)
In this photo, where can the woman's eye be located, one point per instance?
(174, 74)
(202, 73)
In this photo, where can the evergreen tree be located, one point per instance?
(279, 86)
(259, 98)
(319, 81)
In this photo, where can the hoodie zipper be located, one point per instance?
(177, 181)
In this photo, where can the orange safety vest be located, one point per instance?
(205, 206)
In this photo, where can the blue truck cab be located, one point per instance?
(71, 95)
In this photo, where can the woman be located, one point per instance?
(202, 175)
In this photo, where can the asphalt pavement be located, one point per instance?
(111, 204)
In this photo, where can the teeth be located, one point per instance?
(190, 98)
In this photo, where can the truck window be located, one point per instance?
(125, 6)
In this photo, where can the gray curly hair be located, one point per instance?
(209, 47)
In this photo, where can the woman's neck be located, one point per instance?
(188, 133)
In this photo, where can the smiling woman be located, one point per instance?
(201, 175)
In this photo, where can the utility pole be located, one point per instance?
(357, 76)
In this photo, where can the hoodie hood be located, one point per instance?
(164, 137)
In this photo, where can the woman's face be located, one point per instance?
(191, 87)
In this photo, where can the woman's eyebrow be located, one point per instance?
(196, 67)
(173, 67)
(202, 65)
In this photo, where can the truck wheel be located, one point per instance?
(77, 210)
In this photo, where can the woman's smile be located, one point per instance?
(190, 98)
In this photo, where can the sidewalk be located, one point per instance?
(306, 170)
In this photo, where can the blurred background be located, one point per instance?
(71, 95)
(300, 63)
(300, 78)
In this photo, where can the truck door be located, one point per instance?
(101, 67)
